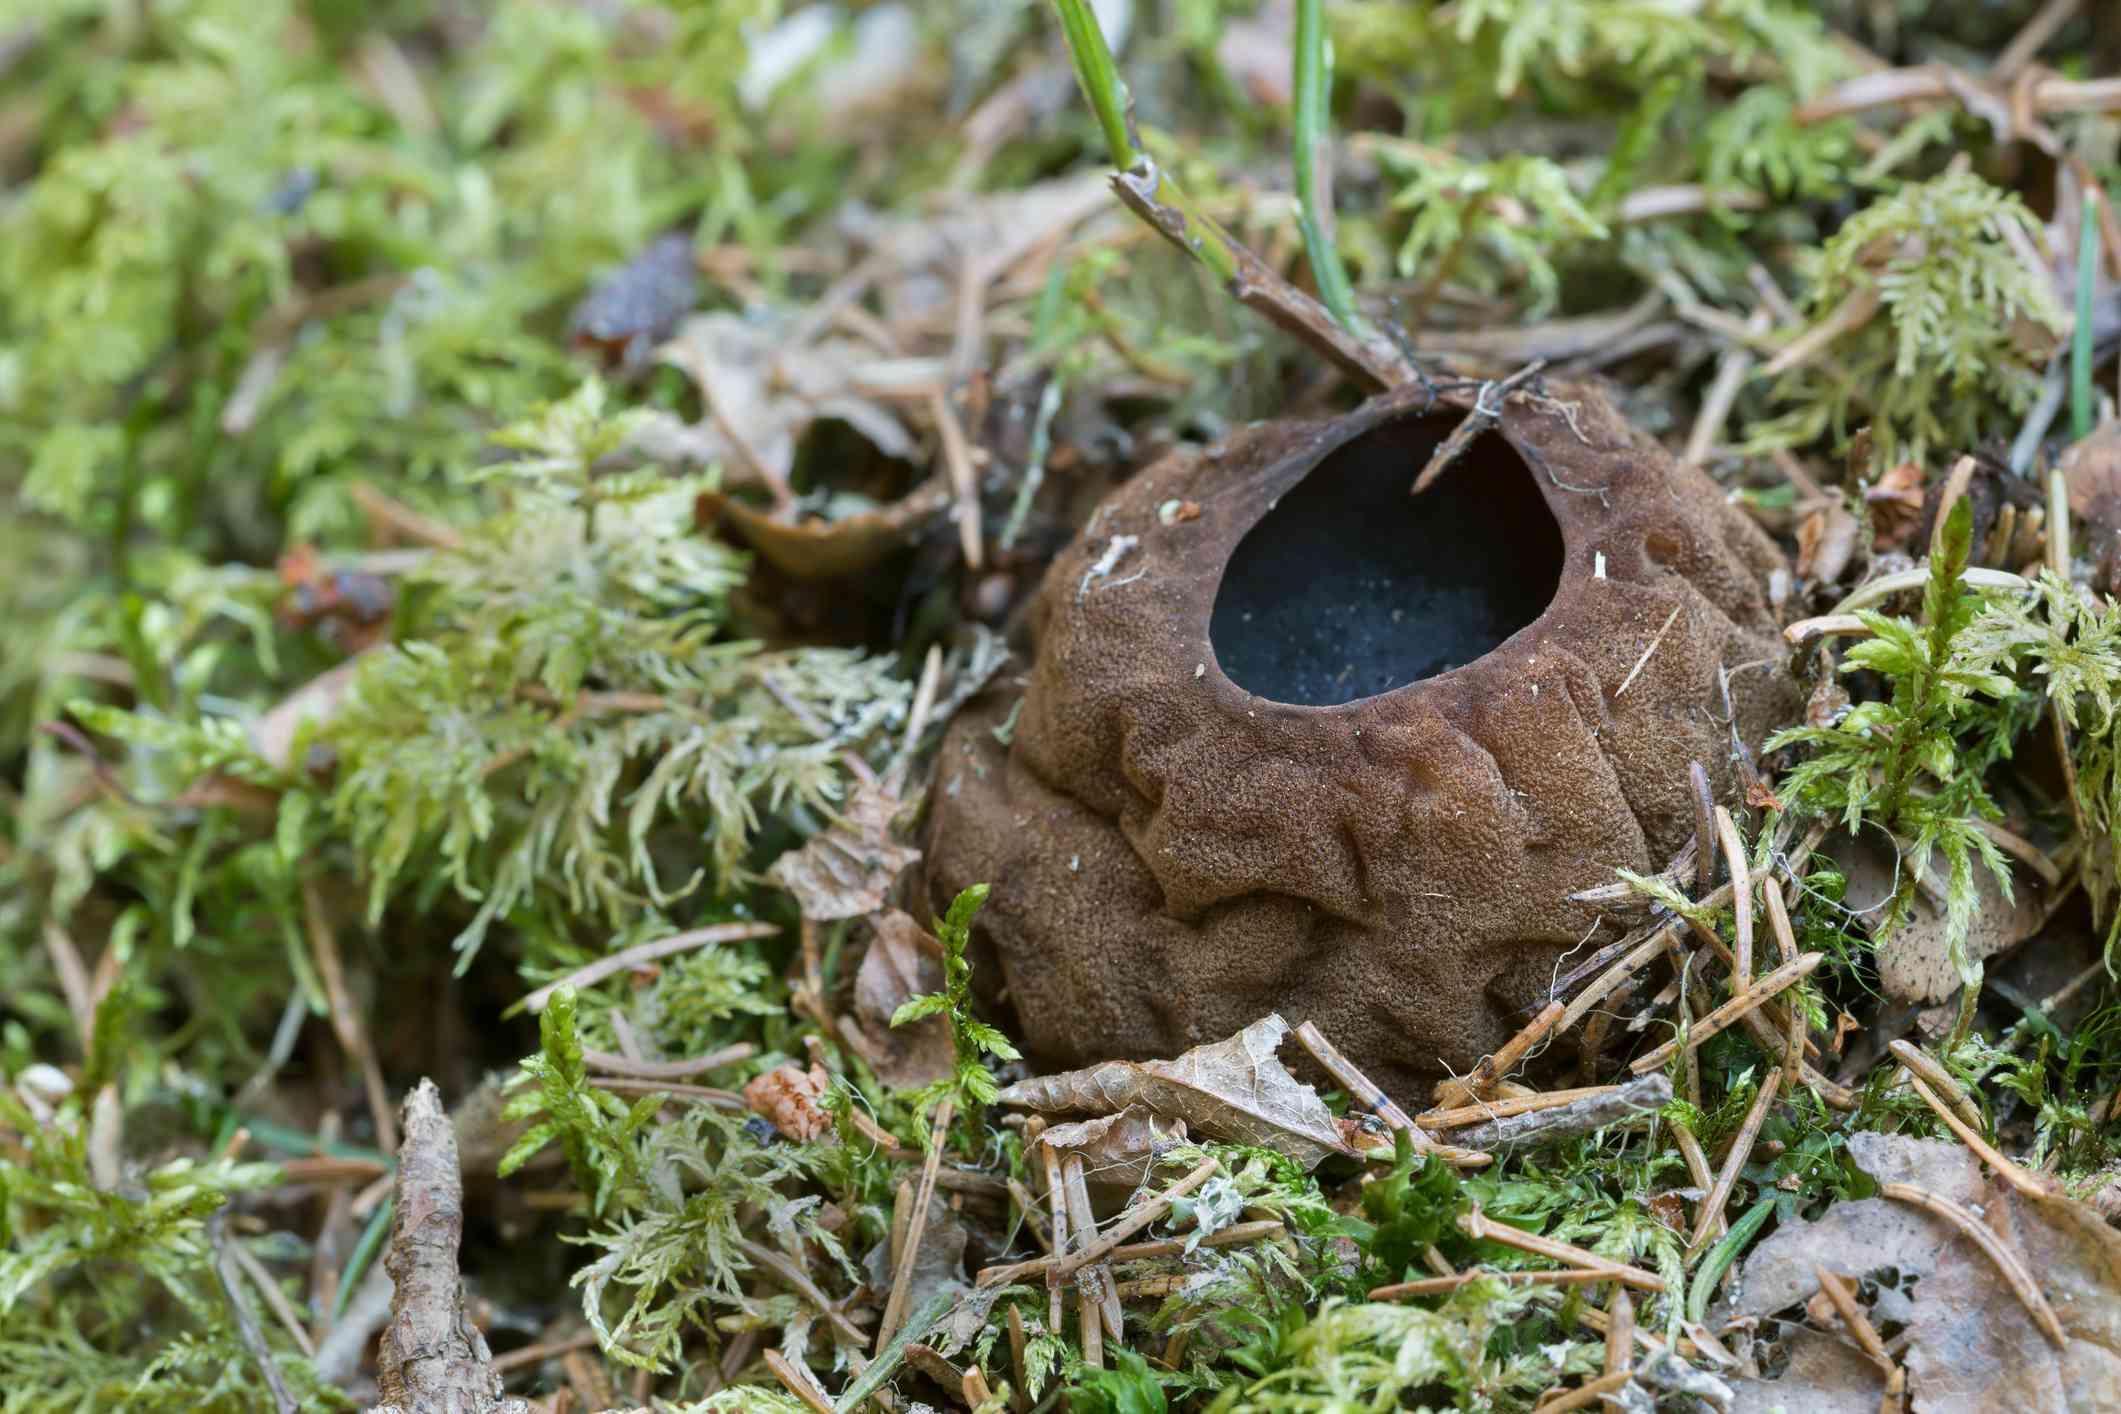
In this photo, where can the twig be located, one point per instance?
(1733, 1010)
(1920, 1063)
(1107, 1245)
(1585, 1395)
(247, 1326)
(2014, 1272)
(525, 1355)
(1620, 1331)
(2030, 1184)
(1437, 1286)
(675, 1089)
(1363, 1091)
(1235, 1235)
(283, 1310)
(1697, 1167)
(73, 982)
(964, 481)
(1641, 1096)
(1844, 1302)
(1741, 1150)
(1477, 1225)
(923, 700)
(1143, 189)
(902, 1276)
(1493, 1068)
(1786, 953)
(1478, 419)
(589, 974)
(1057, 1209)
(1095, 1282)
(798, 1281)
(1741, 896)
(2029, 41)
(346, 1018)
(1020, 1392)
(797, 1382)
(1510, 1105)
(431, 1355)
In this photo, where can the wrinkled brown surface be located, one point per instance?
(1172, 856)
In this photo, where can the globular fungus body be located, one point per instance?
(1331, 749)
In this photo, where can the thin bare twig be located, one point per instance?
(1136, 1219)
(1731, 1011)
(902, 1275)
(247, 1327)
(1644, 1095)
(1493, 1068)
(1478, 419)
(1437, 1286)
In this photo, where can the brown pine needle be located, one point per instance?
(1741, 1150)
(1741, 894)
(1057, 1208)
(1234, 1235)
(1921, 1064)
(1620, 1332)
(1786, 953)
(1731, 1011)
(1503, 1109)
(916, 1228)
(1866, 1335)
(1104, 1247)
(1586, 1395)
(797, 1382)
(1460, 1091)
(1477, 1225)
(1019, 1396)
(2030, 1184)
(1437, 1286)
(1364, 1092)
(1697, 1167)
(1094, 1281)
(2013, 1270)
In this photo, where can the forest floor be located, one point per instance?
(503, 504)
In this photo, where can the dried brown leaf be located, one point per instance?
(845, 870)
(903, 962)
(792, 1100)
(817, 547)
(1914, 964)
(2092, 471)
(1971, 1345)
(1235, 1089)
(767, 390)
(938, 1264)
(1119, 1149)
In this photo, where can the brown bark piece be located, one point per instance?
(432, 1359)
(1172, 855)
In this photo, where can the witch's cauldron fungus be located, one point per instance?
(1330, 749)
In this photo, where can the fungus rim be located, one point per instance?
(1313, 459)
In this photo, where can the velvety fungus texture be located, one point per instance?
(1329, 749)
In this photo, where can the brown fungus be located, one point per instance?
(1330, 749)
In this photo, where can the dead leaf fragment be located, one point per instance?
(828, 547)
(765, 390)
(903, 962)
(1971, 1345)
(846, 870)
(1119, 1149)
(1235, 1089)
(1914, 964)
(792, 1100)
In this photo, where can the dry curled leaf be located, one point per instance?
(764, 390)
(1826, 543)
(845, 870)
(1895, 499)
(829, 546)
(1971, 1345)
(1914, 964)
(903, 962)
(1235, 1089)
(1119, 1149)
(792, 1100)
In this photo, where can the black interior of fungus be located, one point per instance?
(1351, 587)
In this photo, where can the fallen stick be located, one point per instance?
(1739, 1006)
(2014, 1272)
(1643, 1095)
(1476, 1225)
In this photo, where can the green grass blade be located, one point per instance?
(1313, 88)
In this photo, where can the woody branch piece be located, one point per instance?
(431, 1355)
